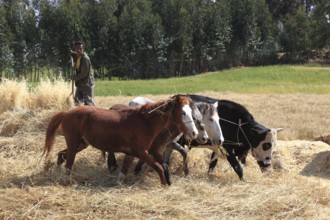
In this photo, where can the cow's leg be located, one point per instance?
(213, 163)
(242, 158)
(235, 164)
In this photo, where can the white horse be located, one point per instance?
(210, 119)
(139, 101)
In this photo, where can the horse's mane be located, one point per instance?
(159, 106)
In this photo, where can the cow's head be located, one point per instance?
(264, 150)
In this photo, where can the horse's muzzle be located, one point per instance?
(217, 141)
(194, 134)
(202, 140)
(191, 136)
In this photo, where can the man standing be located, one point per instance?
(84, 77)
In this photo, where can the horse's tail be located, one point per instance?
(51, 131)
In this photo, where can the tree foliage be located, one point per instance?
(156, 38)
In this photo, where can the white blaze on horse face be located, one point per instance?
(198, 119)
(212, 125)
(264, 151)
(187, 119)
(202, 136)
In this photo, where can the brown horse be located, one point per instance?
(165, 138)
(130, 131)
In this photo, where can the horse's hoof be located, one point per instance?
(48, 166)
(186, 173)
(58, 170)
(210, 170)
(120, 178)
(120, 183)
(112, 169)
(137, 171)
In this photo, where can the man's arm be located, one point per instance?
(84, 69)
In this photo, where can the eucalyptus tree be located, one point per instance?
(138, 40)
(169, 11)
(241, 22)
(32, 50)
(295, 37)
(266, 35)
(20, 34)
(177, 21)
(279, 8)
(61, 24)
(296, 25)
(320, 27)
(252, 30)
(212, 32)
(99, 19)
(6, 55)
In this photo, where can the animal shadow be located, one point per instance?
(85, 174)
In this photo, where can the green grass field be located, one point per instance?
(280, 79)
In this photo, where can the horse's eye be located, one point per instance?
(211, 119)
(194, 118)
(184, 113)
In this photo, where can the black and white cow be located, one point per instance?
(241, 133)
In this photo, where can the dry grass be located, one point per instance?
(298, 189)
(22, 110)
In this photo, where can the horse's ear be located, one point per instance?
(207, 107)
(204, 108)
(215, 104)
(176, 97)
(190, 100)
